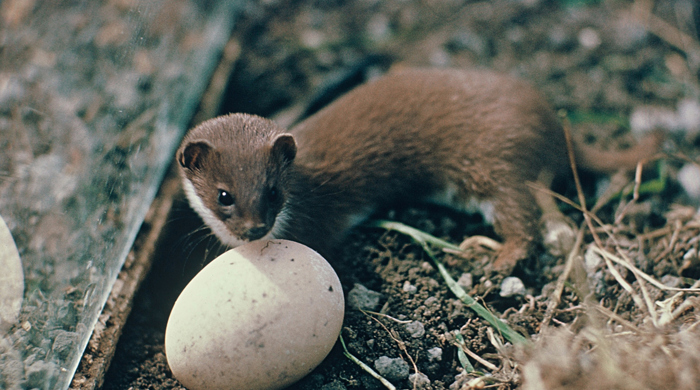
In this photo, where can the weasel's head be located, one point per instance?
(235, 174)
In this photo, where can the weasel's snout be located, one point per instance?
(256, 232)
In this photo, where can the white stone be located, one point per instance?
(466, 281)
(644, 119)
(688, 112)
(591, 260)
(512, 286)
(589, 38)
(689, 179)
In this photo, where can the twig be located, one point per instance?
(540, 187)
(615, 317)
(495, 341)
(555, 298)
(687, 304)
(365, 367)
(618, 182)
(386, 316)
(655, 233)
(674, 237)
(607, 255)
(622, 282)
(647, 299)
(460, 342)
(669, 314)
(579, 190)
(635, 193)
(399, 342)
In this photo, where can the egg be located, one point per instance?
(260, 316)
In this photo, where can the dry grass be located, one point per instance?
(647, 338)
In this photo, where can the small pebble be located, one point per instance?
(415, 329)
(644, 119)
(362, 298)
(512, 286)
(591, 260)
(689, 179)
(378, 27)
(419, 381)
(596, 282)
(313, 39)
(435, 354)
(392, 369)
(408, 287)
(461, 381)
(688, 111)
(466, 281)
(589, 38)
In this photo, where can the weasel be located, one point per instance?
(458, 137)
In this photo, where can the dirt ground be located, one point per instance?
(621, 320)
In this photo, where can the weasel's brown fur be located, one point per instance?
(453, 136)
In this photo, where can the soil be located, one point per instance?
(614, 71)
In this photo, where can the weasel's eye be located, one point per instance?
(225, 199)
(273, 195)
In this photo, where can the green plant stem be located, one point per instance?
(424, 239)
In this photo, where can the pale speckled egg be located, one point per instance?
(260, 316)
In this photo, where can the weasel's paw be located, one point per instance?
(475, 243)
(558, 234)
(510, 253)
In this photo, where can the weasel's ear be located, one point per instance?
(284, 149)
(191, 156)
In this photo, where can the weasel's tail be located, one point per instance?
(610, 161)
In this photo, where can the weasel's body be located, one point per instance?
(452, 136)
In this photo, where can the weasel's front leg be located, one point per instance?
(516, 220)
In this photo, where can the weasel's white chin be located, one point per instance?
(230, 241)
(226, 238)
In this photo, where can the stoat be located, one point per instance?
(458, 137)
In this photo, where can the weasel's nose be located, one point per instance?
(256, 232)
